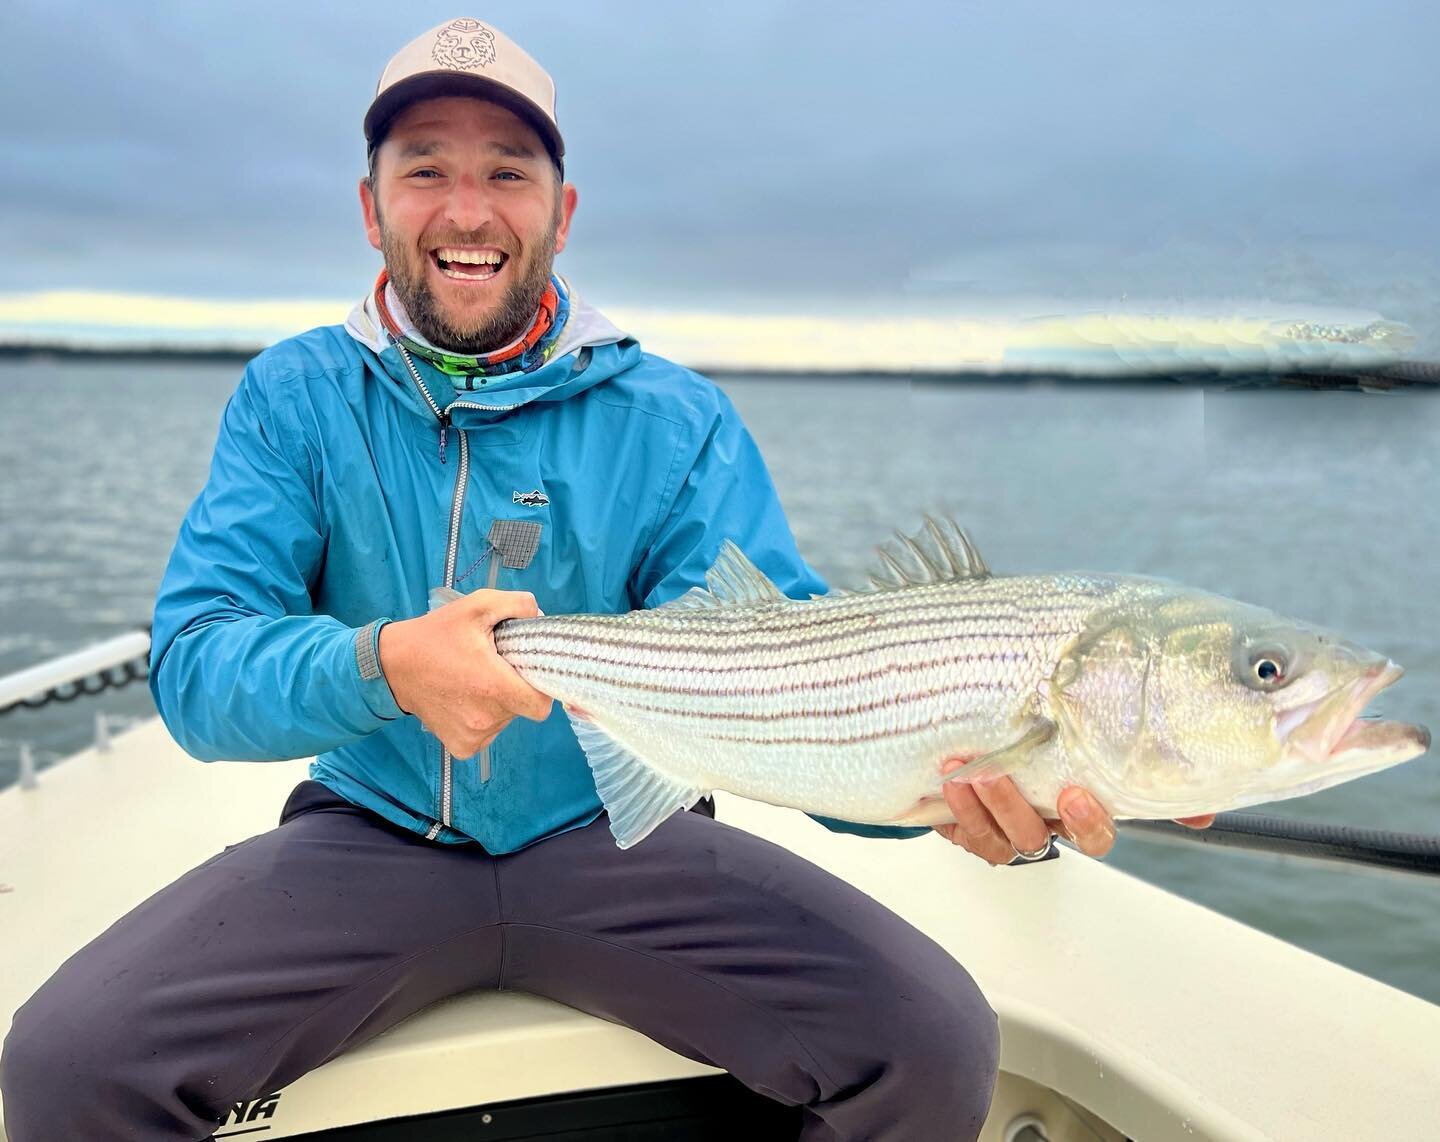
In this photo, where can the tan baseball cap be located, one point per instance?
(466, 57)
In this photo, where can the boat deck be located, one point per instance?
(1161, 1018)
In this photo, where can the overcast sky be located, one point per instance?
(764, 158)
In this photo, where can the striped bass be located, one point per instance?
(1161, 700)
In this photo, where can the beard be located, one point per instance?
(487, 329)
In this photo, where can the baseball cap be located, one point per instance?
(466, 57)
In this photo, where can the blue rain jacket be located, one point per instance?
(328, 507)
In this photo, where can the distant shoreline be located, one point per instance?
(44, 350)
(1424, 374)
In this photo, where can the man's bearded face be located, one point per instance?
(462, 326)
(467, 209)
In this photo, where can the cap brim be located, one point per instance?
(434, 84)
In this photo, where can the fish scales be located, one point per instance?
(834, 700)
(1160, 699)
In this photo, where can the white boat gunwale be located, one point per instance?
(1159, 1017)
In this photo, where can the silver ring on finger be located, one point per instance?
(1022, 857)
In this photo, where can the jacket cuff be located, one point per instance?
(373, 686)
(887, 832)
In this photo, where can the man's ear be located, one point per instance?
(372, 215)
(568, 200)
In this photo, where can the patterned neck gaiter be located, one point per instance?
(528, 351)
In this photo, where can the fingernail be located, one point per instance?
(1079, 810)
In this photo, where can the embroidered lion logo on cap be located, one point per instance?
(464, 45)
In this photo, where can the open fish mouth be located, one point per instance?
(1329, 741)
(1334, 730)
(1366, 740)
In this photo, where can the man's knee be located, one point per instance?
(58, 1058)
(940, 1053)
(42, 1064)
(967, 1044)
(957, 1047)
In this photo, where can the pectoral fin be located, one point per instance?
(1008, 759)
(636, 796)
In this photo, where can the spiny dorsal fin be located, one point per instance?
(940, 553)
(732, 580)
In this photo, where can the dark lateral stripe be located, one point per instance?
(561, 646)
(555, 661)
(642, 632)
(866, 737)
(888, 734)
(854, 710)
(853, 606)
(802, 613)
(834, 682)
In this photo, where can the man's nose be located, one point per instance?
(469, 206)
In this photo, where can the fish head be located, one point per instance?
(1194, 703)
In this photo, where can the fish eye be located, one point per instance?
(1268, 670)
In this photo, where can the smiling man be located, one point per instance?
(476, 425)
(472, 264)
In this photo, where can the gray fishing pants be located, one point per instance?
(288, 949)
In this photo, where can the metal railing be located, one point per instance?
(104, 666)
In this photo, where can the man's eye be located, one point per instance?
(509, 176)
(426, 172)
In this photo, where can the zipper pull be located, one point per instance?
(444, 433)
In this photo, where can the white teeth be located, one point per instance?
(470, 257)
(484, 275)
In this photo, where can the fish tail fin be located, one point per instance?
(439, 596)
(636, 795)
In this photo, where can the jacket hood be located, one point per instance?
(591, 349)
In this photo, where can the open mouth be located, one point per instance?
(1371, 737)
(462, 264)
(1330, 740)
(1335, 728)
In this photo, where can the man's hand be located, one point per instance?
(995, 822)
(443, 668)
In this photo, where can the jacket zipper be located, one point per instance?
(490, 580)
(446, 761)
(452, 550)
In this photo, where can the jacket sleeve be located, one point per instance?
(725, 492)
(240, 666)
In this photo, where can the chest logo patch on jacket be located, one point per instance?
(535, 499)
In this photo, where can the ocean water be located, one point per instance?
(1324, 506)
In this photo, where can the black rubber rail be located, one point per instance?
(1412, 853)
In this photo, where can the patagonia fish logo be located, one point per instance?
(464, 45)
(535, 499)
(246, 1112)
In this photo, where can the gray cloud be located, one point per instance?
(764, 156)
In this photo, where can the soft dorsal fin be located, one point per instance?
(732, 581)
(941, 552)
